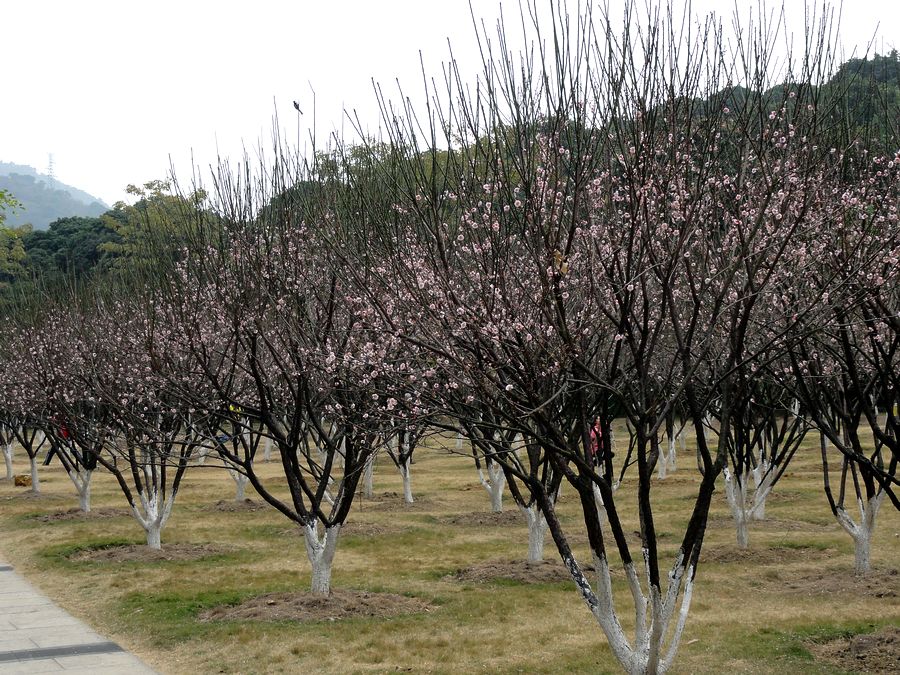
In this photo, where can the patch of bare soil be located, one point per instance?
(770, 525)
(393, 501)
(78, 514)
(354, 529)
(140, 553)
(232, 506)
(341, 604)
(783, 496)
(878, 583)
(546, 571)
(34, 495)
(484, 519)
(764, 555)
(877, 652)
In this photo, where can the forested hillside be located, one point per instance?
(44, 199)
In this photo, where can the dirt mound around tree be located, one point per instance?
(877, 652)
(141, 553)
(484, 519)
(354, 529)
(771, 525)
(765, 555)
(341, 604)
(394, 501)
(78, 514)
(522, 571)
(232, 506)
(878, 583)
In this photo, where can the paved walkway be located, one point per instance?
(37, 636)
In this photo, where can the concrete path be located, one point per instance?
(37, 636)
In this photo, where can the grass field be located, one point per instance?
(756, 612)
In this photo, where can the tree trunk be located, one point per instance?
(862, 546)
(862, 532)
(82, 481)
(321, 555)
(496, 493)
(240, 484)
(369, 478)
(8, 457)
(493, 483)
(35, 481)
(537, 528)
(407, 483)
(154, 535)
(736, 497)
(84, 499)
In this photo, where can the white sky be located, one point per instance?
(114, 88)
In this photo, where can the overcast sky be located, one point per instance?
(113, 89)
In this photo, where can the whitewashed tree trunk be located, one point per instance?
(861, 531)
(407, 482)
(666, 461)
(267, 449)
(35, 479)
(537, 528)
(369, 478)
(459, 442)
(653, 614)
(494, 483)
(320, 551)
(735, 494)
(81, 479)
(153, 516)
(748, 503)
(762, 480)
(240, 484)
(202, 454)
(8, 458)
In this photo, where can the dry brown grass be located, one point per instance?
(751, 613)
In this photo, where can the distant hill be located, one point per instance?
(44, 199)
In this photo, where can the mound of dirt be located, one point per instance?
(524, 572)
(78, 514)
(341, 604)
(762, 554)
(34, 495)
(232, 506)
(393, 501)
(140, 553)
(879, 583)
(354, 529)
(877, 652)
(484, 519)
(770, 525)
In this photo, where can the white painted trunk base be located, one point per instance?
(369, 478)
(82, 482)
(35, 479)
(8, 458)
(494, 483)
(320, 551)
(537, 529)
(152, 515)
(862, 531)
(747, 498)
(655, 642)
(665, 464)
(407, 481)
(241, 482)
